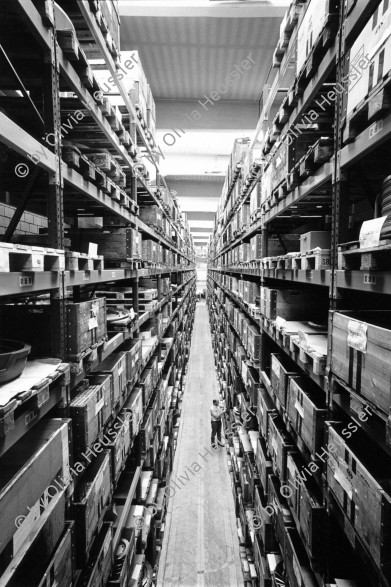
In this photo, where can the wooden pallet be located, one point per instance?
(374, 106)
(84, 360)
(315, 260)
(110, 166)
(120, 263)
(20, 257)
(316, 361)
(75, 261)
(351, 257)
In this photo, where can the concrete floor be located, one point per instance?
(200, 545)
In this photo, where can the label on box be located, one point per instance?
(357, 335)
(276, 367)
(370, 232)
(99, 405)
(275, 445)
(339, 476)
(25, 525)
(92, 323)
(300, 409)
(291, 467)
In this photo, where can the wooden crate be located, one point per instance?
(306, 410)
(117, 439)
(361, 353)
(151, 215)
(297, 565)
(115, 365)
(90, 409)
(149, 250)
(263, 523)
(61, 567)
(36, 324)
(133, 350)
(359, 478)
(305, 500)
(261, 564)
(86, 326)
(146, 430)
(265, 406)
(98, 568)
(281, 518)
(115, 244)
(253, 342)
(291, 304)
(282, 369)
(27, 471)
(279, 443)
(90, 498)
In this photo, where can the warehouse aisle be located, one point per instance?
(200, 545)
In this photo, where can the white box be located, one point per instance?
(310, 29)
(370, 56)
(315, 238)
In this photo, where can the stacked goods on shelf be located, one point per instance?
(367, 75)
(71, 431)
(320, 391)
(134, 81)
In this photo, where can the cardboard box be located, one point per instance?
(310, 29)
(315, 239)
(361, 353)
(370, 57)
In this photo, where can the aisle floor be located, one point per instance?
(200, 545)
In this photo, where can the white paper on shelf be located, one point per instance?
(357, 335)
(32, 374)
(344, 482)
(370, 232)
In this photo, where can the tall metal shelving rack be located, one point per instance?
(336, 193)
(58, 80)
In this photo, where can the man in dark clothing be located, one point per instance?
(216, 412)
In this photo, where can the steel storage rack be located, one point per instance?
(103, 321)
(308, 274)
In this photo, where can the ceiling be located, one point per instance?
(188, 49)
(186, 58)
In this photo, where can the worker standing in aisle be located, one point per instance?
(216, 413)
